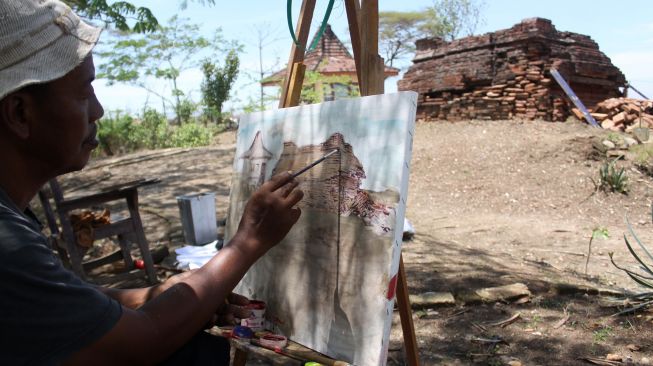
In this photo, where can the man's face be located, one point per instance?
(64, 132)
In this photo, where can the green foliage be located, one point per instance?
(186, 110)
(643, 157)
(318, 88)
(446, 19)
(643, 278)
(613, 179)
(164, 54)
(450, 19)
(120, 13)
(120, 133)
(598, 232)
(217, 84)
(153, 132)
(614, 138)
(601, 335)
(114, 132)
(398, 32)
(191, 135)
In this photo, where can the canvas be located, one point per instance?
(330, 284)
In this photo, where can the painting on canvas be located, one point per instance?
(330, 284)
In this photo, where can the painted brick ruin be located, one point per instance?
(505, 74)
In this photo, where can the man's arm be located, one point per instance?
(130, 298)
(152, 332)
(137, 297)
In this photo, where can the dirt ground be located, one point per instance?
(493, 203)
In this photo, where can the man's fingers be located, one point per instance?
(240, 312)
(296, 213)
(277, 181)
(228, 319)
(294, 197)
(237, 299)
(288, 187)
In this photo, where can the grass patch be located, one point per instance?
(643, 157)
(602, 334)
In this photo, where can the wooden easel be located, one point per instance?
(363, 19)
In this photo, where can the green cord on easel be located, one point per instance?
(290, 27)
(322, 26)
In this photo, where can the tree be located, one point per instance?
(119, 13)
(217, 84)
(398, 32)
(450, 19)
(164, 54)
(447, 19)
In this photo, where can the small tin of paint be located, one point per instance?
(256, 319)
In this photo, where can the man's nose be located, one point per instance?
(97, 111)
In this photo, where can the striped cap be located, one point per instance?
(40, 41)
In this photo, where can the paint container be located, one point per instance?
(273, 341)
(256, 320)
(242, 332)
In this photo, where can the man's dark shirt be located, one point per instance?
(46, 312)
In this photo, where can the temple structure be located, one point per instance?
(505, 74)
(329, 58)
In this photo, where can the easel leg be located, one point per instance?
(240, 358)
(406, 316)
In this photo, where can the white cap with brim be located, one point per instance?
(40, 41)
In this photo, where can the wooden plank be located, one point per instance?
(353, 18)
(297, 52)
(371, 63)
(295, 85)
(240, 357)
(406, 316)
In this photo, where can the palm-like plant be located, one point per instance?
(644, 277)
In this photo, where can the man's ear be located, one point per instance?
(15, 113)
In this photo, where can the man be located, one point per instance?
(48, 112)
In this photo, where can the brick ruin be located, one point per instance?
(505, 74)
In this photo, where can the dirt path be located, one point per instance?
(493, 203)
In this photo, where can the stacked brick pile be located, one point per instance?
(622, 114)
(505, 74)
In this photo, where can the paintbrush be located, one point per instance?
(316, 162)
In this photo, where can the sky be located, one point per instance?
(623, 30)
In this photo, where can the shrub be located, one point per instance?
(191, 135)
(120, 133)
(153, 131)
(114, 134)
(613, 179)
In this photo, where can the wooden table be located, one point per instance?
(298, 354)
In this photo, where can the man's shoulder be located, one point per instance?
(17, 230)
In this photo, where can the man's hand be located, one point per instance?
(233, 309)
(270, 214)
